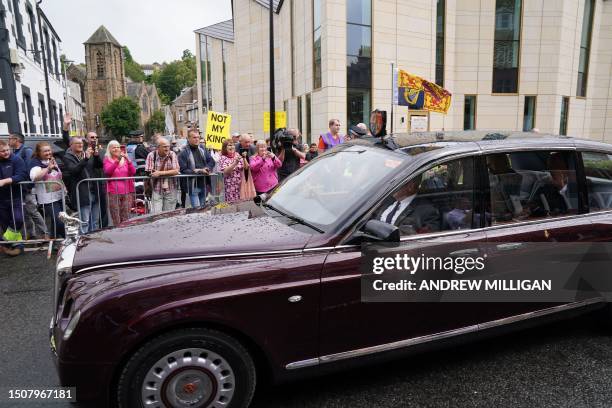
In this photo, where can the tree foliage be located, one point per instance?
(121, 116)
(132, 68)
(157, 123)
(175, 76)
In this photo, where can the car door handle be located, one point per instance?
(510, 246)
(464, 252)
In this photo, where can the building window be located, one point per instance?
(19, 25)
(117, 65)
(469, 112)
(440, 35)
(308, 120)
(53, 118)
(359, 60)
(34, 34)
(48, 47)
(299, 113)
(57, 72)
(358, 106)
(506, 51)
(28, 111)
(529, 113)
(316, 63)
(564, 115)
(292, 39)
(100, 64)
(43, 113)
(205, 61)
(585, 47)
(224, 58)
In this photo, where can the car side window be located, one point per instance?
(439, 199)
(598, 172)
(531, 185)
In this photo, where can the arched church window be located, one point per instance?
(100, 64)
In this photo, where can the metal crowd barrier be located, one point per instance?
(25, 220)
(138, 196)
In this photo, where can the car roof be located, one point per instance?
(416, 143)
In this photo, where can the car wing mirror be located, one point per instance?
(380, 231)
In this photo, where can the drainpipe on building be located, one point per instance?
(44, 56)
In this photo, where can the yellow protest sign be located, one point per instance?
(217, 129)
(280, 120)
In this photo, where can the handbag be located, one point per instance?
(247, 187)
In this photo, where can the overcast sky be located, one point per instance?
(153, 30)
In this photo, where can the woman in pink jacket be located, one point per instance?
(263, 167)
(120, 192)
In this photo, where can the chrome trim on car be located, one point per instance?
(438, 336)
(202, 257)
(302, 364)
(63, 268)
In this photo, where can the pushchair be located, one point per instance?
(142, 203)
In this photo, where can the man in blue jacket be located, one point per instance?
(195, 160)
(12, 171)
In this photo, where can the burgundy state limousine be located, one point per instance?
(194, 308)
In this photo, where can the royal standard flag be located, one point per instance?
(418, 93)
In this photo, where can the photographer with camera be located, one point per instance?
(288, 152)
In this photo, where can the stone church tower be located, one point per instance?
(105, 75)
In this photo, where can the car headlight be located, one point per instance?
(72, 324)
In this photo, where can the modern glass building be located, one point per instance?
(510, 64)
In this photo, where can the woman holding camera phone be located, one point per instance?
(264, 166)
(49, 194)
(232, 166)
(120, 193)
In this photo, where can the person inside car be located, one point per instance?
(409, 212)
(505, 188)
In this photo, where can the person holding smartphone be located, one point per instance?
(264, 166)
(232, 165)
(50, 193)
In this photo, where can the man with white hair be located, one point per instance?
(161, 164)
(245, 145)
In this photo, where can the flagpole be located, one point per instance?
(392, 92)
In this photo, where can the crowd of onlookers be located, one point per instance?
(34, 187)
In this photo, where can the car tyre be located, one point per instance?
(189, 367)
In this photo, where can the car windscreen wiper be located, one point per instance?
(294, 218)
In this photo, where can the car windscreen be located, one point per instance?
(330, 187)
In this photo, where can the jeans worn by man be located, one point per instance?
(162, 164)
(35, 226)
(195, 159)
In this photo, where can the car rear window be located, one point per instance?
(531, 185)
(598, 172)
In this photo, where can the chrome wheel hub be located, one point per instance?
(194, 378)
